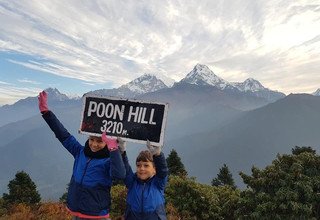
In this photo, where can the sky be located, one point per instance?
(80, 46)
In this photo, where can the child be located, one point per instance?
(145, 199)
(94, 167)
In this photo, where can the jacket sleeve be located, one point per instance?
(129, 173)
(161, 170)
(116, 165)
(61, 133)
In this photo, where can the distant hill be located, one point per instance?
(195, 108)
(254, 138)
(35, 150)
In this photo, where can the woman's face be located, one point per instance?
(96, 143)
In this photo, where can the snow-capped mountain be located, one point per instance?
(202, 75)
(56, 95)
(145, 83)
(257, 89)
(249, 85)
(316, 93)
(28, 107)
(141, 85)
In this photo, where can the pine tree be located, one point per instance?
(223, 178)
(22, 190)
(298, 150)
(175, 165)
(286, 189)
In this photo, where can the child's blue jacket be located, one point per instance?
(89, 188)
(145, 199)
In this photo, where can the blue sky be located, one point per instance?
(78, 46)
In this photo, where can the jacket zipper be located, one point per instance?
(85, 169)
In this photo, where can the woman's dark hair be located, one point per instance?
(144, 156)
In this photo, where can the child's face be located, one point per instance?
(145, 170)
(96, 143)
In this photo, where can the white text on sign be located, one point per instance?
(116, 112)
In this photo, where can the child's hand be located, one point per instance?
(155, 150)
(111, 142)
(43, 99)
(122, 144)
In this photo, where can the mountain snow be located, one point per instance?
(55, 95)
(145, 83)
(202, 75)
(316, 93)
(249, 85)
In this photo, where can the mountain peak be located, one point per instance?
(201, 67)
(52, 90)
(56, 95)
(316, 93)
(250, 84)
(202, 75)
(144, 78)
(145, 83)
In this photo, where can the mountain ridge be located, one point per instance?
(147, 83)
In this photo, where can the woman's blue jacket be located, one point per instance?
(89, 188)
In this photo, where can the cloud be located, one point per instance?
(4, 83)
(116, 41)
(11, 93)
(28, 81)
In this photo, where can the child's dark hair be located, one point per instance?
(144, 156)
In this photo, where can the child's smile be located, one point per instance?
(145, 170)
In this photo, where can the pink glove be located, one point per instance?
(43, 99)
(112, 143)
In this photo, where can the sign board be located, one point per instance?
(133, 120)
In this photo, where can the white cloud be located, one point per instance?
(28, 81)
(117, 41)
(4, 83)
(11, 93)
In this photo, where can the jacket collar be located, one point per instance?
(103, 153)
